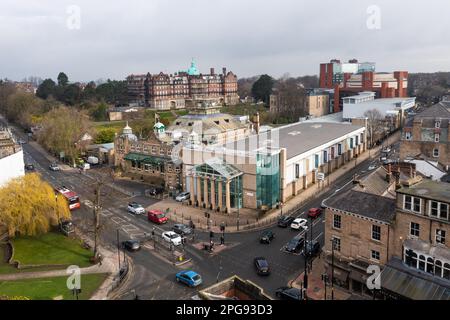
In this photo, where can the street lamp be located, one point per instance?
(333, 242)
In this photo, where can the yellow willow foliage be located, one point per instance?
(28, 206)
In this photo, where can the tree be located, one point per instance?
(70, 94)
(21, 107)
(262, 88)
(105, 136)
(46, 88)
(63, 79)
(374, 123)
(28, 206)
(291, 99)
(62, 131)
(100, 112)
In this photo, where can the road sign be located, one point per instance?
(320, 176)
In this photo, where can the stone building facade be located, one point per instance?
(180, 90)
(427, 136)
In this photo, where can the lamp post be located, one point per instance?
(118, 248)
(332, 268)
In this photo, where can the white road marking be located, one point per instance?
(117, 220)
(320, 234)
(129, 227)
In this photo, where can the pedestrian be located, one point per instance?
(222, 240)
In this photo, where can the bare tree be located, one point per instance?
(291, 99)
(374, 123)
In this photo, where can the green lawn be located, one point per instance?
(50, 249)
(50, 288)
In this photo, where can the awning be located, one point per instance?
(136, 157)
(412, 287)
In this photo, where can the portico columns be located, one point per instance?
(213, 193)
(228, 196)
(205, 192)
(199, 191)
(219, 195)
(192, 189)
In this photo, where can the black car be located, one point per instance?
(295, 245)
(154, 191)
(266, 237)
(181, 229)
(262, 266)
(285, 221)
(311, 248)
(286, 293)
(131, 245)
(29, 167)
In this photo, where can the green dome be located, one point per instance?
(193, 71)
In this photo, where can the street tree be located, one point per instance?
(63, 130)
(46, 89)
(29, 206)
(63, 79)
(262, 88)
(374, 123)
(105, 136)
(291, 98)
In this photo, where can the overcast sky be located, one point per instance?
(115, 38)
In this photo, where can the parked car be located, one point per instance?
(299, 224)
(67, 227)
(287, 293)
(172, 237)
(189, 277)
(266, 237)
(285, 221)
(311, 248)
(92, 160)
(29, 167)
(135, 208)
(84, 166)
(386, 150)
(54, 167)
(262, 266)
(295, 245)
(372, 167)
(157, 216)
(131, 245)
(314, 212)
(181, 229)
(183, 196)
(154, 191)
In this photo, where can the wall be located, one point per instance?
(11, 167)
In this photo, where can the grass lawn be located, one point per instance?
(50, 288)
(50, 248)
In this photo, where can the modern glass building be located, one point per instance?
(267, 180)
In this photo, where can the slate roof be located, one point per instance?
(364, 204)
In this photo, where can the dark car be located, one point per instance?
(154, 191)
(131, 245)
(181, 229)
(295, 245)
(262, 266)
(285, 221)
(311, 248)
(286, 293)
(29, 167)
(266, 237)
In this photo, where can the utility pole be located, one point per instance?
(332, 269)
(118, 247)
(305, 274)
(97, 219)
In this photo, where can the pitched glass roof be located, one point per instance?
(217, 167)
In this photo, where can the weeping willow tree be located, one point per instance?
(28, 206)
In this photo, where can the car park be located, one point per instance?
(299, 224)
(266, 237)
(314, 212)
(54, 167)
(183, 196)
(157, 216)
(262, 266)
(295, 245)
(135, 208)
(131, 245)
(288, 293)
(189, 277)
(312, 248)
(285, 221)
(172, 237)
(181, 229)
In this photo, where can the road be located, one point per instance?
(153, 277)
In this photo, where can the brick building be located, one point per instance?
(180, 90)
(348, 79)
(427, 136)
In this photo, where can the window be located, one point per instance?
(408, 136)
(339, 149)
(407, 203)
(437, 124)
(435, 152)
(337, 221)
(422, 262)
(297, 171)
(436, 137)
(434, 208)
(446, 274)
(410, 258)
(438, 268)
(375, 255)
(430, 265)
(376, 232)
(443, 211)
(440, 236)
(336, 242)
(417, 203)
(414, 229)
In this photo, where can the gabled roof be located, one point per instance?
(439, 110)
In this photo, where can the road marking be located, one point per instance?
(88, 203)
(106, 213)
(320, 234)
(117, 220)
(129, 227)
(316, 222)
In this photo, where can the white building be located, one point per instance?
(11, 158)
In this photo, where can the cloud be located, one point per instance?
(250, 37)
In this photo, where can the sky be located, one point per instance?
(95, 39)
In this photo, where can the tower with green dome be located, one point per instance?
(193, 70)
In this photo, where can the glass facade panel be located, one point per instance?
(267, 180)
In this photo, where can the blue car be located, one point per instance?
(189, 277)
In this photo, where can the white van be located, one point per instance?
(84, 166)
(92, 160)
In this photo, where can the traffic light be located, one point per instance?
(222, 227)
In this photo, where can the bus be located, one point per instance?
(72, 198)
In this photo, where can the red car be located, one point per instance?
(314, 212)
(157, 216)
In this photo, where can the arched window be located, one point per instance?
(438, 268)
(430, 265)
(446, 271)
(411, 258)
(422, 262)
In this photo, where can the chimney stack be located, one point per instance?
(224, 70)
(212, 71)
